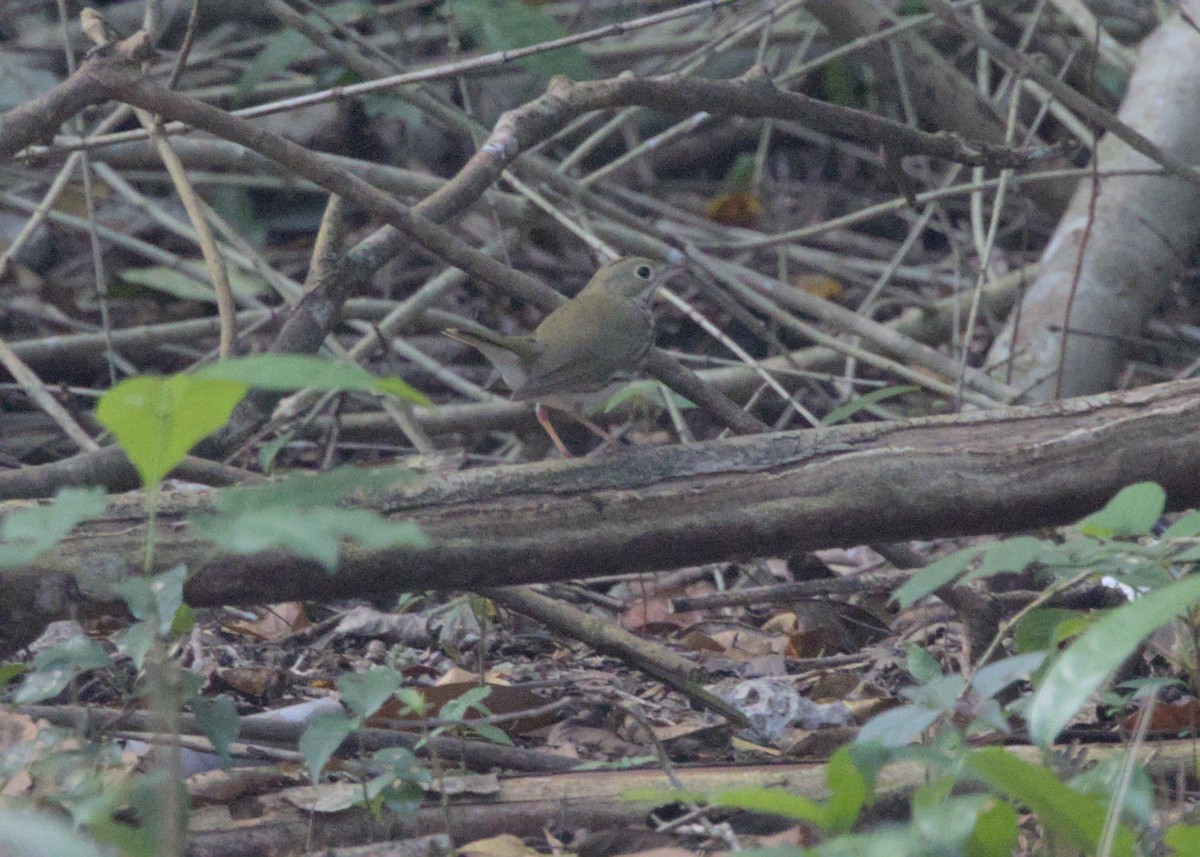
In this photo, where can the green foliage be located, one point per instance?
(26, 831)
(402, 785)
(1083, 668)
(1064, 812)
(844, 412)
(295, 514)
(193, 283)
(362, 694)
(648, 390)
(1132, 512)
(52, 669)
(143, 797)
(27, 533)
(286, 46)
(504, 26)
(218, 720)
(158, 420)
(287, 372)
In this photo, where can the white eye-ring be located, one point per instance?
(643, 271)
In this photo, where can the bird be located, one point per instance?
(584, 350)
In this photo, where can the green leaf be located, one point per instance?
(934, 576)
(773, 802)
(323, 736)
(501, 26)
(1007, 556)
(898, 726)
(155, 599)
(1082, 669)
(994, 677)
(1184, 838)
(491, 733)
(948, 823)
(286, 46)
(158, 420)
(315, 534)
(52, 669)
(24, 831)
(194, 284)
(364, 693)
(1063, 812)
(651, 391)
(218, 719)
(286, 372)
(1132, 512)
(309, 491)
(1038, 629)
(920, 664)
(995, 833)
(848, 790)
(843, 412)
(10, 672)
(1186, 527)
(26, 533)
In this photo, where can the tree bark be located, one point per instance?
(649, 509)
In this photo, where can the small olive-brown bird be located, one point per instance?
(585, 348)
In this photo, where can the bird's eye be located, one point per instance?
(643, 271)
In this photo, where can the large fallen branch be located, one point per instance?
(649, 509)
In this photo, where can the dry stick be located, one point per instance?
(37, 393)
(125, 85)
(651, 658)
(477, 754)
(1064, 93)
(749, 96)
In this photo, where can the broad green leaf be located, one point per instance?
(993, 678)
(1187, 527)
(501, 26)
(1082, 669)
(144, 798)
(843, 412)
(1038, 629)
(158, 597)
(995, 833)
(1003, 557)
(773, 802)
(1077, 818)
(920, 664)
(364, 693)
(52, 669)
(288, 372)
(24, 831)
(1132, 512)
(848, 791)
(1184, 838)
(158, 420)
(312, 533)
(949, 823)
(218, 719)
(934, 576)
(321, 739)
(135, 642)
(26, 533)
(898, 726)
(490, 733)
